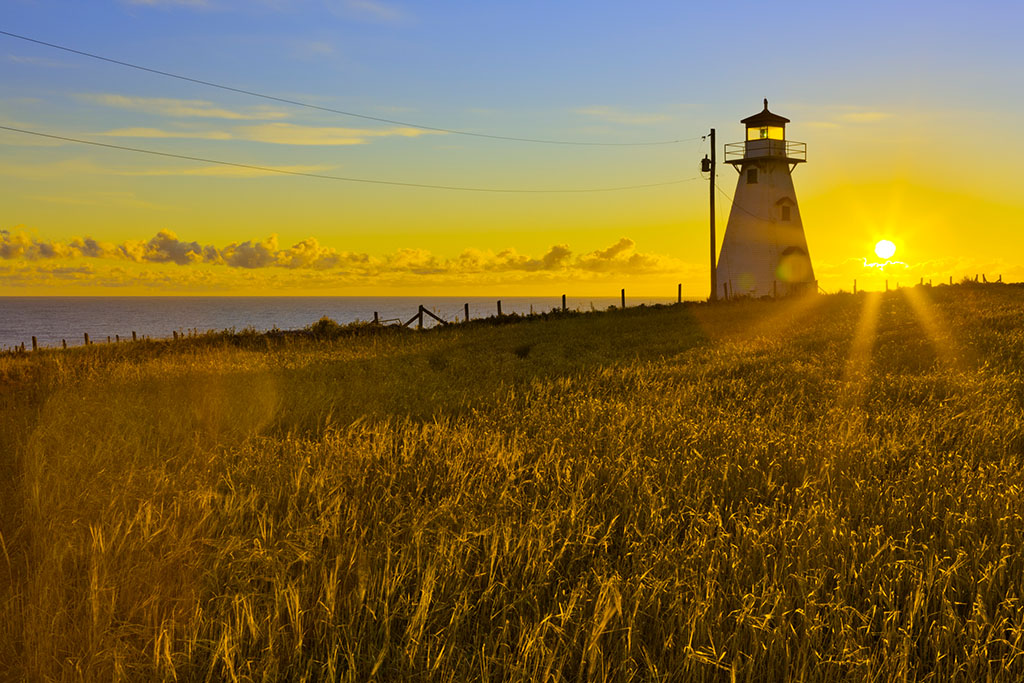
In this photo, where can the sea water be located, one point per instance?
(55, 319)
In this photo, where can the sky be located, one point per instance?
(910, 112)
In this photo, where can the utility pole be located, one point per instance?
(708, 166)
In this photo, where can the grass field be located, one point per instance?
(819, 489)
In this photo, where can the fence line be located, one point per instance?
(423, 311)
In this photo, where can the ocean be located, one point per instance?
(54, 319)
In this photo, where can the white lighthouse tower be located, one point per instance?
(764, 251)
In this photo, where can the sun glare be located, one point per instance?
(885, 249)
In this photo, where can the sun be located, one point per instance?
(885, 249)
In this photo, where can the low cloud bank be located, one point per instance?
(166, 248)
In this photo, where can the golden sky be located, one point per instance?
(908, 121)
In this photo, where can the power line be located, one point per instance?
(297, 103)
(284, 171)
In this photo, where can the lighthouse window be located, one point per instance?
(785, 213)
(751, 176)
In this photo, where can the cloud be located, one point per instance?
(314, 49)
(864, 116)
(371, 9)
(56, 169)
(622, 257)
(227, 171)
(293, 134)
(886, 266)
(166, 248)
(614, 115)
(281, 134)
(158, 133)
(165, 106)
(202, 4)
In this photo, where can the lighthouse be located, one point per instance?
(764, 251)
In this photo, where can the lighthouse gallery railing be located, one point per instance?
(752, 149)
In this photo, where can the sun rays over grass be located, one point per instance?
(857, 370)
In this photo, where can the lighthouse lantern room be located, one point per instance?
(764, 250)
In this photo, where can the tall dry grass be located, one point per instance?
(750, 491)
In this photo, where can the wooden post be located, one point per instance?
(117, 338)
(1000, 278)
(175, 333)
(35, 346)
(466, 311)
(563, 303)
(376, 318)
(499, 308)
(64, 343)
(983, 278)
(108, 338)
(922, 280)
(134, 338)
(419, 322)
(950, 279)
(623, 297)
(855, 286)
(679, 293)
(887, 285)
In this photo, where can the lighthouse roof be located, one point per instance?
(765, 118)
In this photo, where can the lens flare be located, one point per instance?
(885, 249)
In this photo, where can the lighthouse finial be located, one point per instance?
(766, 103)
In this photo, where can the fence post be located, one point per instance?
(117, 338)
(623, 297)
(679, 293)
(950, 279)
(563, 303)
(175, 333)
(35, 346)
(134, 338)
(86, 338)
(376, 318)
(887, 285)
(419, 320)
(467, 312)
(108, 338)
(855, 286)
(64, 343)
(499, 308)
